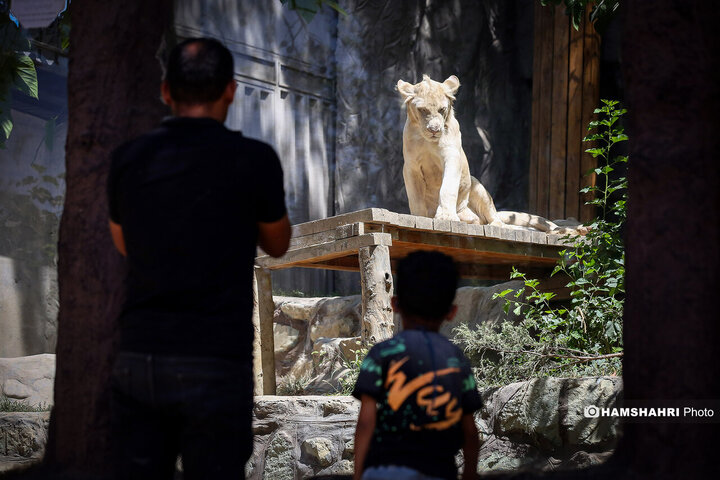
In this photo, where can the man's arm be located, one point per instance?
(274, 237)
(117, 237)
(471, 446)
(363, 432)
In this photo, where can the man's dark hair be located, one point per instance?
(426, 284)
(198, 70)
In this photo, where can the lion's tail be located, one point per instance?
(535, 221)
(522, 219)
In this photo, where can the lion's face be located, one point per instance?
(429, 104)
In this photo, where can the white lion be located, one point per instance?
(436, 172)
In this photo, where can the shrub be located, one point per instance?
(582, 336)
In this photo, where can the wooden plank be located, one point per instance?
(536, 102)
(576, 129)
(475, 229)
(459, 227)
(424, 223)
(545, 113)
(343, 231)
(591, 98)
(441, 225)
(404, 220)
(558, 140)
(324, 251)
(379, 215)
(495, 247)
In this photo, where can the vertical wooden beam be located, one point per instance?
(591, 98)
(377, 289)
(266, 310)
(534, 123)
(559, 116)
(545, 51)
(576, 129)
(257, 348)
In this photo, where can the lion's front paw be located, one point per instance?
(445, 214)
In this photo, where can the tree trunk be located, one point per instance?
(671, 63)
(113, 95)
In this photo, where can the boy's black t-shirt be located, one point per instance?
(188, 196)
(411, 430)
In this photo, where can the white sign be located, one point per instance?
(36, 13)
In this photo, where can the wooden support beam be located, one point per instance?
(266, 310)
(377, 289)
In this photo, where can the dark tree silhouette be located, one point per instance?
(113, 95)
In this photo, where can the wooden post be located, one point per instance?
(377, 289)
(257, 355)
(264, 351)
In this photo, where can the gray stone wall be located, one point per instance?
(32, 189)
(536, 425)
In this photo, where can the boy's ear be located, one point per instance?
(451, 313)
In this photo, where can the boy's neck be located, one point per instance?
(413, 322)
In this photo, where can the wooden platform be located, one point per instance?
(371, 241)
(481, 251)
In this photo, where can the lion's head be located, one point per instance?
(429, 104)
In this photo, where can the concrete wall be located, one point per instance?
(32, 187)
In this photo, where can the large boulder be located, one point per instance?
(28, 379)
(316, 337)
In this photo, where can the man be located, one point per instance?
(189, 202)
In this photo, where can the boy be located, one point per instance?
(417, 391)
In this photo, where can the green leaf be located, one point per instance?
(25, 76)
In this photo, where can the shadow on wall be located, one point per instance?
(32, 190)
(28, 276)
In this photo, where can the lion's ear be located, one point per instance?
(407, 90)
(451, 85)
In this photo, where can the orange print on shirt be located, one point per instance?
(399, 391)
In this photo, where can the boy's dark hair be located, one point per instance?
(426, 284)
(198, 70)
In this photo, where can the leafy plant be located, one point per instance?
(17, 70)
(290, 385)
(352, 366)
(601, 13)
(582, 336)
(307, 9)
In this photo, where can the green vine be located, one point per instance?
(582, 336)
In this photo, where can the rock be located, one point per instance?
(300, 308)
(336, 317)
(286, 337)
(498, 454)
(476, 305)
(530, 409)
(318, 451)
(343, 467)
(23, 434)
(279, 458)
(349, 452)
(583, 392)
(28, 379)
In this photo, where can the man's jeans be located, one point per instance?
(163, 406)
(394, 472)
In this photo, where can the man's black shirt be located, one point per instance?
(188, 196)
